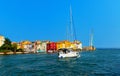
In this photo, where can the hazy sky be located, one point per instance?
(47, 20)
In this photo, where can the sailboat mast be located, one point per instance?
(72, 27)
(91, 38)
(67, 33)
(71, 23)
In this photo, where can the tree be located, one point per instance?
(7, 41)
(20, 50)
(14, 47)
(7, 45)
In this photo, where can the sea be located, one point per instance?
(101, 62)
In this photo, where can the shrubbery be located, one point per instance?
(8, 47)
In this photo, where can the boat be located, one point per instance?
(91, 46)
(67, 53)
(50, 51)
(40, 51)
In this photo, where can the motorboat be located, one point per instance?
(67, 53)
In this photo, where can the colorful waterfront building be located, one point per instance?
(26, 45)
(60, 45)
(76, 45)
(63, 44)
(67, 44)
(43, 45)
(51, 47)
(39, 46)
(19, 46)
(2, 39)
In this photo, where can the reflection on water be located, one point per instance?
(97, 63)
(67, 59)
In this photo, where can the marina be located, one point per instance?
(59, 38)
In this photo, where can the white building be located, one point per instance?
(42, 45)
(79, 46)
(2, 39)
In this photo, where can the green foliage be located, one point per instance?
(14, 47)
(5, 50)
(6, 46)
(7, 41)
(19, 50)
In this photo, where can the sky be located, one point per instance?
(47, 20)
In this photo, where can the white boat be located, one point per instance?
(67, 53)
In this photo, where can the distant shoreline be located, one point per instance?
(11, 53)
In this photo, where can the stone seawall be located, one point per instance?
(10, 53)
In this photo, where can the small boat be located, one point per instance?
(40, 51)
(67, 53)
(50, 51)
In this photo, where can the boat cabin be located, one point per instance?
(65, 51)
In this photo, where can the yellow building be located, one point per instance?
(19, 46)
(60, 45)
(63, 44)
(2, 39)
(76, 45)
(73, 46)
(67, 44)
(25, 44)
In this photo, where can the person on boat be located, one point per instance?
(64, 51)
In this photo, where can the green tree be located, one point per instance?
(20, 50)
(14, 47)
(7, 45)
(7, 41)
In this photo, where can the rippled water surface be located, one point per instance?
(97, 63)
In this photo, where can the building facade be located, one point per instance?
(2, 40)
(51, 47)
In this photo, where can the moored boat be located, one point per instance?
(67, 53)
(40, 51)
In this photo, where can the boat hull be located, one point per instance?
(69, 55)
(40, 51)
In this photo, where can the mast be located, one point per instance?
(71, 23)
(72, 27)
(67, 33)
(91, 38)
(71, 33)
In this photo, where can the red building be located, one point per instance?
(51, 47)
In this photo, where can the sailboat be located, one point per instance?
(91, 47)
(68, 53)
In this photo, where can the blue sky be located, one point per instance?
(47, 20)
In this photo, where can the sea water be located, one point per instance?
(102, 62)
